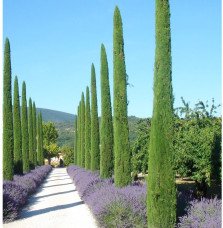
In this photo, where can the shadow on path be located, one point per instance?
(54, 194)
(58, 179)
(56, 185)
(28, 214)
(62, 175)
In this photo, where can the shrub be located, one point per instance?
(16, 192)
(204, 213)
(117, 207)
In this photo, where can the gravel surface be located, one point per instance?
(56, 205)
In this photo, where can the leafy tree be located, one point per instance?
(34, 135)
(95, 151)
(140, 148)
(7, 116)
(197, 145)
(51, 150)
(25, 134)
(87, 131)
(161, 191)
(75, 141)
(106, 137)
(50, 133)
(67, 154)
(50, 136)
(30, 130)
(18, 169)
(82, 130)
(122, 167)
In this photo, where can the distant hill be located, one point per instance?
(55, 116)
(64, 123)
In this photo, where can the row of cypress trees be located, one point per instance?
(22, 128)
(161, 191)
(106, 150)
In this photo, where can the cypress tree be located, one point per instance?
(79, 135)
(161, 191)
(95, 151)
(34, 135)
(87, 131)
(106, 137)
(25, 135)
(7, 116)
(122, 169)
(75, 141)
(39, 140)
(82, 130)
(30, 125)
(17, 130)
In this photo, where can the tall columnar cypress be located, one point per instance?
(75, 141)
(79, 136)
(87, 131)
(122, 169)
(17, 130)
(25, 135)
(30, 125)
(34, 135)
(106, 137)
(39, 140)
(82, 130)
(95, 151)
(161, 193)
(7, 116)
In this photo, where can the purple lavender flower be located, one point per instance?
(205, 213)
(16, 192)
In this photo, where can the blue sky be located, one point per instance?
(53, 44)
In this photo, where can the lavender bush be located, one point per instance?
(126, 207)
(205, 213)
(16, 192)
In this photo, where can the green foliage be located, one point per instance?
(68, 157)
(87, 131)
(161, 193)
(95, 151)
(7, 116)
(51, 150)
(133, 125)
(122, 169)
(75, 141)
(140, 147)
(40, 158)
(82, 130)
(30, 130)
(34, 135)
(79, 135)
(197, 144)
(50, 134)
(25, 134)
(106, 137)
(17, 131)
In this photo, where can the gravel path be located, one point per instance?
(56, 204)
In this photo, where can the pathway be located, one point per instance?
(56, 205)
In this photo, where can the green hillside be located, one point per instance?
(64, 123)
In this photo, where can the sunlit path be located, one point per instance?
(56, 204)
